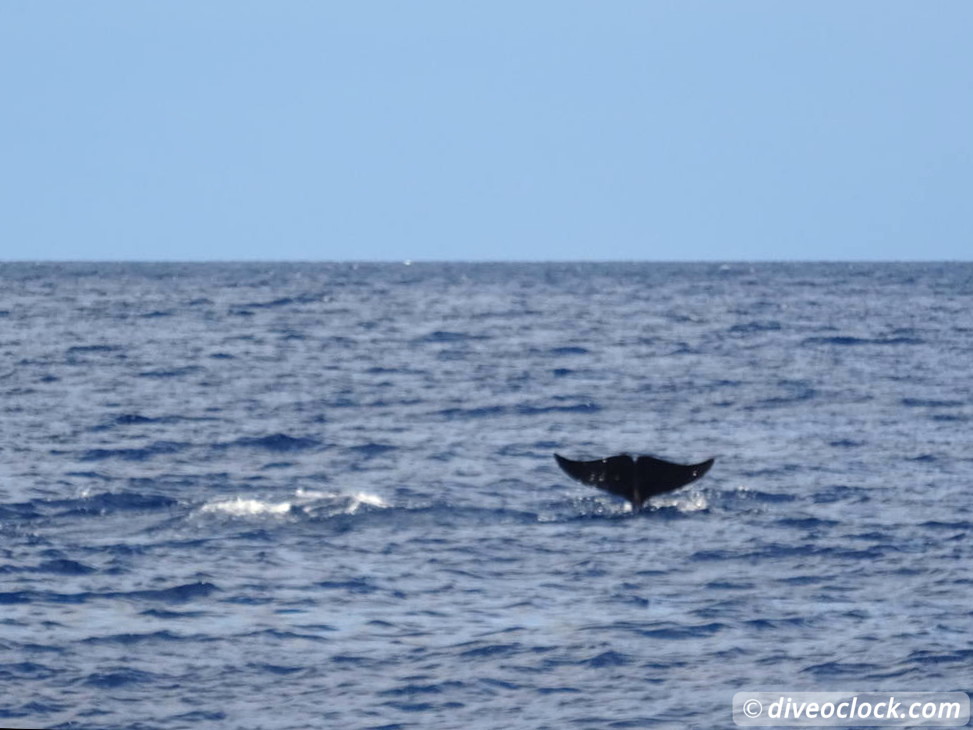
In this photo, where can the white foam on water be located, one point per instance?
(307, 501)
(354, 501)
(686, 502)
(696, 503)
(242, 507)
(372, 500)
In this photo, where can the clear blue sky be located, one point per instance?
(538, 130)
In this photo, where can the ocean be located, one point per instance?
(323, 495)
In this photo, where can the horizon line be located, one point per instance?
(424, 261)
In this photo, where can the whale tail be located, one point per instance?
(634, 479)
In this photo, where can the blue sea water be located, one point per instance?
(323, 495)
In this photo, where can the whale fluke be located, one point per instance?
(635, 479)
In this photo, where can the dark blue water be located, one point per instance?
(322, 495)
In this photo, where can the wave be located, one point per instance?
(173, 595)
(278, 442)
(849, 341)
(131, 454)
(99, 504)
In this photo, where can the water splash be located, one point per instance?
(684, 502)
(243, 507)
(309, 502)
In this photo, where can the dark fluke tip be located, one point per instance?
(634, 479)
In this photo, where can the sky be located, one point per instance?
(729, 130)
